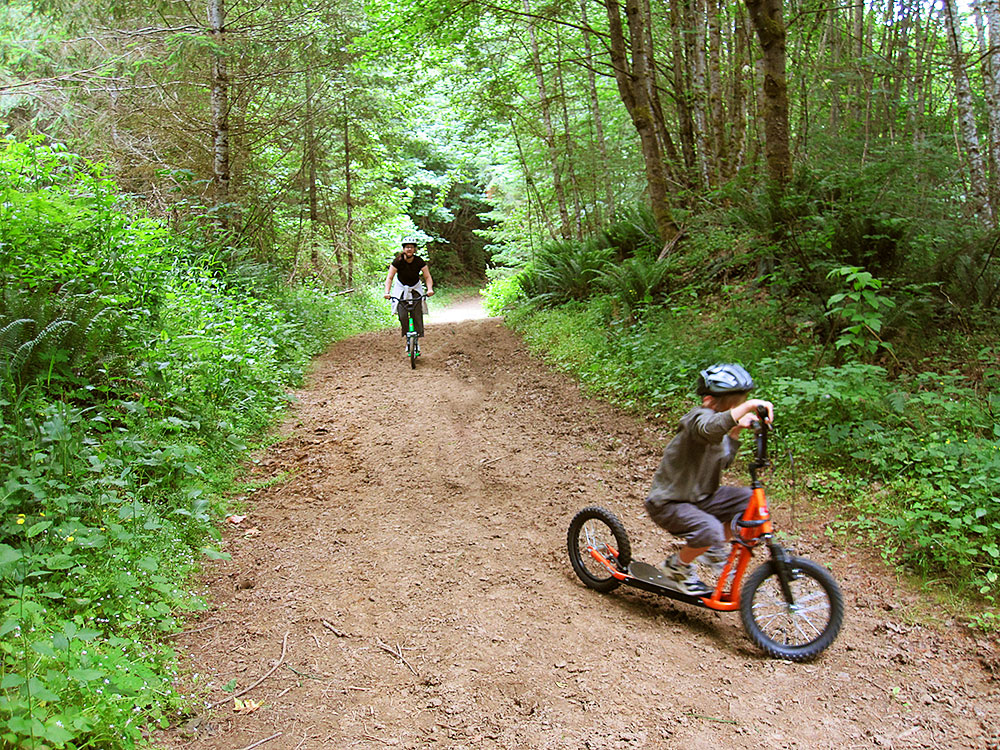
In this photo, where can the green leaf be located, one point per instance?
(40, 691)
(11, 680)
(38, 528)
(86, 675)
(214, 554)
(8, 554)
(60, 562)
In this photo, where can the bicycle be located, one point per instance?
(412, 342)
(791, 607)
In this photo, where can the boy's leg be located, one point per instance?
(695, 525)
(726, 504)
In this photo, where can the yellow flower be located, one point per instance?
(70, 538)
(20, 520)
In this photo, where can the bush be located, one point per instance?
(133, 380)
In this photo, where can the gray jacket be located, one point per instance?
(694, 459)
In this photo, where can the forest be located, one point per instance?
(198, 197)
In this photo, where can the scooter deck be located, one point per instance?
(644, 576)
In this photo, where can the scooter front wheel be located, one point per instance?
(599, 530)
(799, 629)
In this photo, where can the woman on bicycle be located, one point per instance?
(404, 279)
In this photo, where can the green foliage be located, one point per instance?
(861, 308)
(637, 281)
(130, 385)
(564, 270)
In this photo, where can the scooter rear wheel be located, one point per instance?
(797, 630)
(598, 529)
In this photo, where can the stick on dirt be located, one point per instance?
(261, 742)
(284, 645)
(398, 653)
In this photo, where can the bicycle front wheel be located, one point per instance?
(411, 348)
(597, 529)
(799, 629)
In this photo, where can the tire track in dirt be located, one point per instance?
(422, 515)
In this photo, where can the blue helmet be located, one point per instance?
(722, 379)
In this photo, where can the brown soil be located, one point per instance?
(408, 549)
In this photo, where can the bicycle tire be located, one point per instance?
(597, 528)
(411, 348)
(800, 631)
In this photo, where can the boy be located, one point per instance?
(686, 498)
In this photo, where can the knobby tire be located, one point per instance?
(599, 528)
(799, 631)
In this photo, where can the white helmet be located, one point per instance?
(718, 380)
(410, 240)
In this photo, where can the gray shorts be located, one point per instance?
(702, 524)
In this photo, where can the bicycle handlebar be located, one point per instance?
(761, 428)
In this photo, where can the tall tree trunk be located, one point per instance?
(219, 103)
(741, 58)
(633, 86)
(715, 105)
(766, 16)
(568, 138)
(309, 157)
(966, 115)
(348, 197)
(699, 88)
(550, 137)
(595, 111)
(682, 91)
(992, 64)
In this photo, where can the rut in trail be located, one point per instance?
(410, 540)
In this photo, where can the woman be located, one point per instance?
(403, 279)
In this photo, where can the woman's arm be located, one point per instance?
(388, 280)
(426, 271)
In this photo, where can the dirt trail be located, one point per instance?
(410, 541)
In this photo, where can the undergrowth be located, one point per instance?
(135, 371)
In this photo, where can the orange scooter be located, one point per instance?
(791, 607)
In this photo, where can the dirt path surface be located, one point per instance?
(408, 550)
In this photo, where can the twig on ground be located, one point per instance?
(284, 645)
(397, 652)
(261, 742)
(193, 630)
(329, 626)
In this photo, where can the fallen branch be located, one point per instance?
(244, 691)
(261, 742)
(328, 626)
(194, 630)
(397, 652)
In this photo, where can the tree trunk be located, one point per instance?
(595, 110)
(568, 138)
(309, 157)
(634, 86)
(682, 91)
(992, 64)
(766, 16)
(348, 197)
(699, 88)
(219, 103)
(550, 138)
(719, 149)
(966, 115)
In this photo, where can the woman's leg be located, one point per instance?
(404, 318)
(418, 318)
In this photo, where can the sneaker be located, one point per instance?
(683, 578)
(715, 559)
